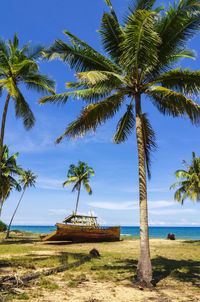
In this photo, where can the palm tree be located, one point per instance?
(189, 184)
(19, 66)
(141, 56)
(9, 169)
(78, 175)
(28, 179)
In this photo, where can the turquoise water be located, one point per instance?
(154, 232)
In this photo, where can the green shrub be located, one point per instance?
(3, 226)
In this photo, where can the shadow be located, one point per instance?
(19, 240)
(30, 261)
(126, 265)
(182, 270)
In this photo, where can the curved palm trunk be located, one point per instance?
(3, 122)
(79, 189)
(144, 268)
(8, 231)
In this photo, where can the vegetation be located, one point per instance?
(3, 226)
(79, 175)
(19, 66)
(28, 179)
(8, 169)
(189, 185)
(175, 264)
(141, 55)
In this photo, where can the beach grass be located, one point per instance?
(176, 266)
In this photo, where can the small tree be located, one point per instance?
(28, 179)
(189, 184)
(79, 175)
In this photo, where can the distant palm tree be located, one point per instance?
(78, 175)
(28, 179)
(20, 66)
(9, 169)
(141, 55)
(189, 185)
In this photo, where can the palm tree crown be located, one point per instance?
(78, 175)
(189, 184)
(20, 66)
(28, 179)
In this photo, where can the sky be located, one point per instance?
(115, 184)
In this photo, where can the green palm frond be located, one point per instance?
(111, 36)
(173, 103)
(140, 41)
(180, 24)
(102, 77)
(87, 187)
(94, 115)
(125, 126)
(149, 141)
(39, 82)
(22, 109)
(80, 58)
(181, 80)
(189, 185)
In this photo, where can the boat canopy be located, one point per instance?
(81, 220)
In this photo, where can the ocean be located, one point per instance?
(154, 232)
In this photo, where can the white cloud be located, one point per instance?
(128, 205)
(50, 183)
(172, 211)
(58, 212)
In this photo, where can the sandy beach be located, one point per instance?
(110, 278)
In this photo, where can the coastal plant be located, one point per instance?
(19, 66)
(3, 226)
(139, 66)
(189, 181)
(79, 175)
(8, 171)
(28, 179)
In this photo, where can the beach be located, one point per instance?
(108, 278)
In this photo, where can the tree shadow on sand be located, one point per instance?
(35, 260)
(182, 270)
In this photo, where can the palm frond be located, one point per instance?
(39, 82)
(180, 24)
(149, 141)
(173, 103)
(181, 80)
(140, 42)
(79, 57)
(111, 36)
(94, 115)
(23, 110)
(125, 126)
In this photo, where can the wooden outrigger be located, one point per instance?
(80, 228)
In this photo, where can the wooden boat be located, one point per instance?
(79, 228)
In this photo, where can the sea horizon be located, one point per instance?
(180, 232)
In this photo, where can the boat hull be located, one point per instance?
(76, 233)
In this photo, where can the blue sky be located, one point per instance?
(115, 184)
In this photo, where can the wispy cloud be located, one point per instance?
(50, 183)
(128, 205)
(172, 211)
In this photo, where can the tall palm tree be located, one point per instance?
(141, 56)
(20, 66)
(9, 169)
(78, 175)
(28, 179)
(189, 183)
